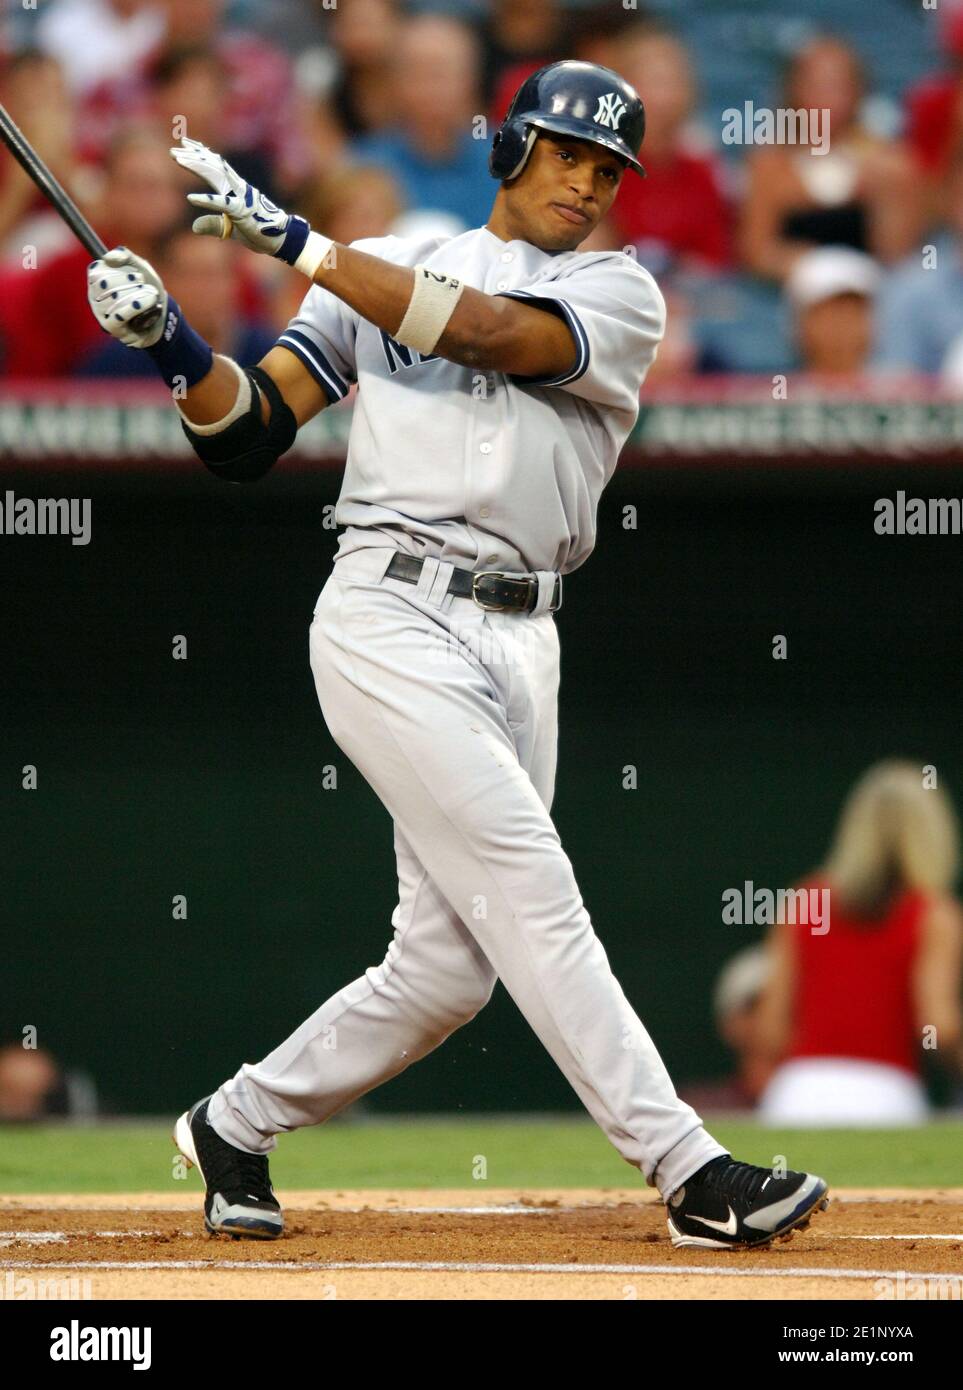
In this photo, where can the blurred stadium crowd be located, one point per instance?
(373, 117)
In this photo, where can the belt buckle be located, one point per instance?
(498, 574)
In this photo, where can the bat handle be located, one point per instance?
(143, 322)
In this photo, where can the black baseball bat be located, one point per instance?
(32, 165)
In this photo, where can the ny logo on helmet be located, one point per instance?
(610, 110)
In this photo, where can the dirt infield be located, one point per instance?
(429, 1244)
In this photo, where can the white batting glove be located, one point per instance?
(120, 286)
(238, 210)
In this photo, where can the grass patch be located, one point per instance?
(450, 1153)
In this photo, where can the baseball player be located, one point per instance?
(498, 377)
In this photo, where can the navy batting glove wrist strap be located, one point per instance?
(294, 239)
(182, 356)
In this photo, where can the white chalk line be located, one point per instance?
(31, 1237)
(903, 1235)
(510, 1209)
(60, 1237)
(507, 1209)
(8, 1238)
(471, 1267)
(50, 1237)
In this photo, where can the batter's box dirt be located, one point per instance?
(503, 1245)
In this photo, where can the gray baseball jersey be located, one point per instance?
(486, 470)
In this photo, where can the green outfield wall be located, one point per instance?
(205, 777)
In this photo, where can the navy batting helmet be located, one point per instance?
(581, 100)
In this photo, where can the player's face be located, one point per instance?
(564, 191)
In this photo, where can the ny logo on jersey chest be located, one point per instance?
(397, 355)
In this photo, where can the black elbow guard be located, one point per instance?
(248, 448)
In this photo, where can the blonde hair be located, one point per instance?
(893, 834)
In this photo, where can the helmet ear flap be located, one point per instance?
(495, 156)
(511, 146)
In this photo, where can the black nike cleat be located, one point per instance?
(728, 1205)
(240, 1200)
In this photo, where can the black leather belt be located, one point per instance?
(491, 589)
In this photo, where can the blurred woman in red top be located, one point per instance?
(850, 1010)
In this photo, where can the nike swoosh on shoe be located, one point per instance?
(727, 1228)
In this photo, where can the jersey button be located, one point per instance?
(484, 511)
(493, 559)
(502, 285)
(484, 448)
(508, 256)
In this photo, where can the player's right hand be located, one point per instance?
(235, 208)
(121, 286)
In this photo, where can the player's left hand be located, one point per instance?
(120, 288)
(236, 208)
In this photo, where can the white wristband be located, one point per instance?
(431, 305)
(239, 408)
(315, 249)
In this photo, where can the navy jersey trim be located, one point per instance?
(314, 359)
(562, 310)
